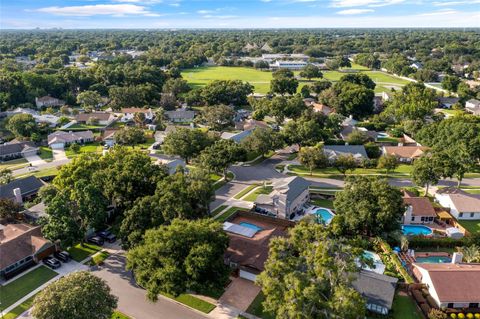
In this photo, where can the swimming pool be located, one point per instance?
(415, 230)
(433, 260)
(324, 215)
(378, 265)
(251, 226)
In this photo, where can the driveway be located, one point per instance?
(240, 293)
(34, 160)
(59, 154)
(131, 298)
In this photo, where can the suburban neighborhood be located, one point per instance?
(239, 173)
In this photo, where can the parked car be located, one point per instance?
(97, 240)
(107, 235)
(52, 262)
(63, 256)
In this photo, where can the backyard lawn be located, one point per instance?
(472, 226)
(20, 287)
(201, 76)
(79, 252)
(260, 190)
(404, 308)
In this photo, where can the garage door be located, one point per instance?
(57, 146)
(247, 275)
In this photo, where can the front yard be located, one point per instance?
(46, 153)
(79, 252)
(262, 190)
(14, 164)
(401, 171)
(256, 307)
(87, 148)
(17, 289)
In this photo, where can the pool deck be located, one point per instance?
(310, 211)
(432, 254)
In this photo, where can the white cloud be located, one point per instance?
(222, 17)
(439, 13)
(360, 3)
(205, 11)
(175, 4)
(454, 3)
(355, 11)
(98, 9)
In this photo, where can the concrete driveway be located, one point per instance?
(35, 160)
(131, 298)
(59, 154)
(240, 293)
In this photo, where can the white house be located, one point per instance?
(48, 101)
(419, 210)
(462, 204)
(129, 113)
(452, 285)
(472, 104)
(60, 139)
(291, 65)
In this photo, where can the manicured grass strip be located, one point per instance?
(46, 153)
(218, 184)
(229, 212)
(79, 252)
(99, 258)
(14, 164)
(402, 170)
(218, 209)
(256, 307)
(404, 308)
(323, 203)
(17, 289)
(260, 190)
(21, 308)
(118, 315)
(473, 226)
(193, 302)
(244, 191)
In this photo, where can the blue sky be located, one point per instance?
(86, 14)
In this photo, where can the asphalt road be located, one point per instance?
(131, 298)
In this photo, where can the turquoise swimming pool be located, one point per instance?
(324, 215)
(433, 260)
(251, 226)
(416, 230)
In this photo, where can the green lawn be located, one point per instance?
(87, 148)
(118, 315)
(322, 202)
(83, 127)
(46, 153)
(472, 226)
(260, 190)
(219, 183)
(388, 139)
(256, 307)
(52, 171)
(402, 170)
(244, 191)
(14, 164)
(98, 258)
(79, 252)
(193, 302)
(20, 287)
(201, 76)
(21, 308)
(218, 209)
(404, 308)
(229, 212)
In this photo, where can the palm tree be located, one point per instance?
(139, 118)
(404, 243)
(471, 254)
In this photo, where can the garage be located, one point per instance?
(57, 146)
(247, 275)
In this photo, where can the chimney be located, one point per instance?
(457, 258)
(18, 195)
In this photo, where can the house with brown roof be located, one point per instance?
(21, 246)
(405, 154)
(129, 113)
(250, 124)
(462, 205)
(419, 210)
(452, 285)
(100, 118)
(250, 235)
(321, 108)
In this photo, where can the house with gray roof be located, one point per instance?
(236, 137)
(9, 151)
(333, 151)
(377, 289)
(463, 205)
(60, 139)
(288, 196)
(180, 116)
(21, 189)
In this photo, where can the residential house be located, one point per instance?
(288, 196)
(128, 114)
(171, 163)
(250, 124)
(386, 96)
(333, 151)
(48, 101)
(100, 118)
(447, 102)
(377, 289)
(21, 189)
(108, 137)
(416, 65)
(266, 48)
(21, 246)
(463, 205)
(9, 151)
(321, 108)
(452, 285)
(473, 106)
(60, 139)
(248, 248)
(50, 119)
(180, 116)
(34, 213)
(160, 135)
(419, 210)
(236, 137)
(349, 121)
(347, 130)
(291, 65)
(405, 154)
